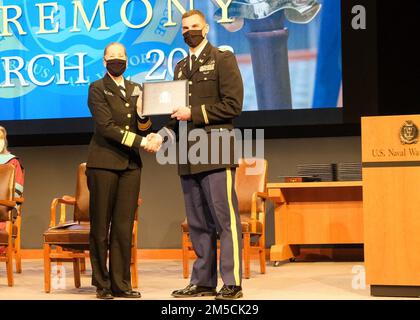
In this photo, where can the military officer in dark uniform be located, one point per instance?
(113, 174)
(216, 98)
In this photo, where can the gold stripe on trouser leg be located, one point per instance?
(233, 225)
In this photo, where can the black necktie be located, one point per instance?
(193, 61)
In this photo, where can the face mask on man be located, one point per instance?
(116, 67)
(2, 144)
(193, 38)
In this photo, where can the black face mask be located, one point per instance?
(193, 38)
(116, 67)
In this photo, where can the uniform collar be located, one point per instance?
(119, 84)
(202, 59)
(200, 48)
(112, 85)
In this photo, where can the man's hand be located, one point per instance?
(182, 114)
(154, 143)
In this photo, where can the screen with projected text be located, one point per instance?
(289, 51)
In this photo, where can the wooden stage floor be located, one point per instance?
(157, 279)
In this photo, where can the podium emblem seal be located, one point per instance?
(409, 133)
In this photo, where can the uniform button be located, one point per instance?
(190, 83)
(205, 78)
(122, 131)
(127, 127)
(129, 115)
(190, 94)
(127, 105)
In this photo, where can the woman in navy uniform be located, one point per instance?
(113, 174)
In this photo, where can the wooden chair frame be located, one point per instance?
(17, 241)
(259, 245)
(8, 257)
(78, 257)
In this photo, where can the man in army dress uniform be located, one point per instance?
(216, 98)
(113, 174)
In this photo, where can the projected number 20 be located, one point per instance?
(153, 74)
(159, 56)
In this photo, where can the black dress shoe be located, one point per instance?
(129, 294)
(104, 294)
(193, 291)
(229, 293)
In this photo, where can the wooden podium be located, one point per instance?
(391, 204)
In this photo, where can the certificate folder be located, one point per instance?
(160, 98)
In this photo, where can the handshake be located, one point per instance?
(152, 143)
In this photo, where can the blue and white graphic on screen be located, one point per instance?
(51, 50)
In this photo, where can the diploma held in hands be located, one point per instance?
(160, 98)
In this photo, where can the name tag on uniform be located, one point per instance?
(108, 93)
(209, 67)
